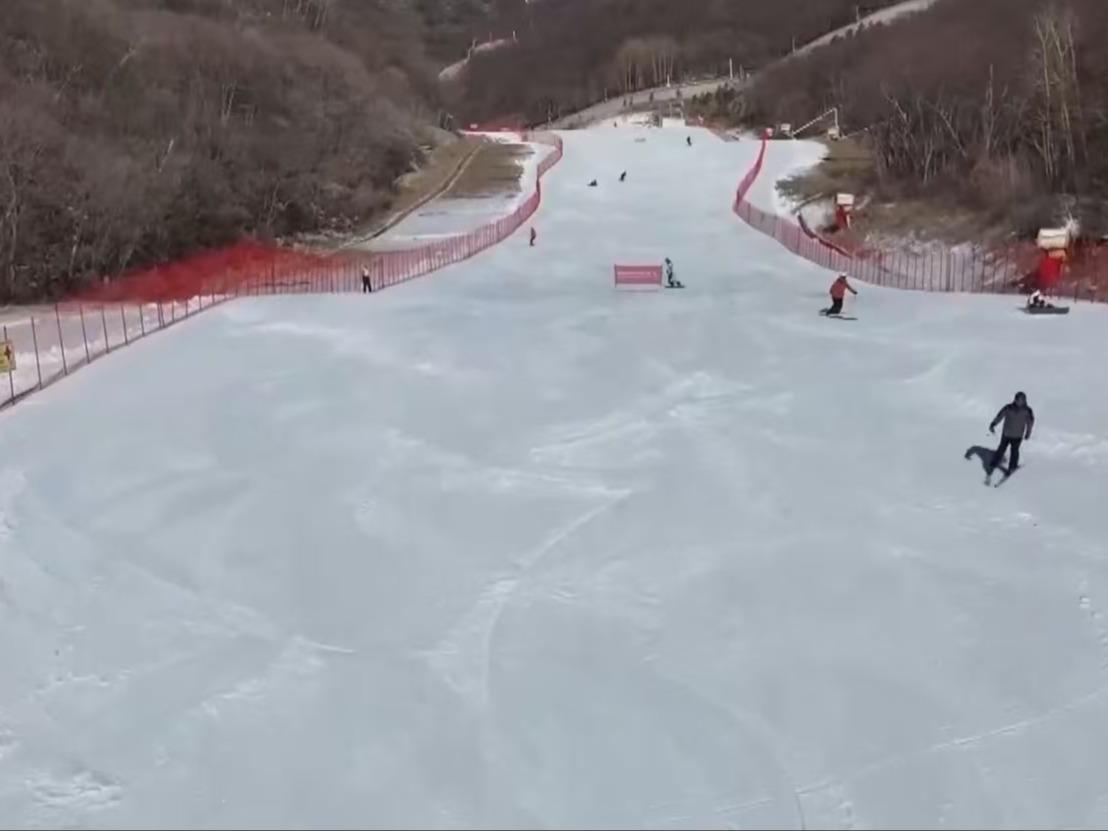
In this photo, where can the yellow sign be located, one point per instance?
(7, 356)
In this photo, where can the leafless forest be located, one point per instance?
(135, 131)
(1001, 104)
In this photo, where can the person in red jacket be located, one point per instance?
(838, 292)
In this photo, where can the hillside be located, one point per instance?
(134, 131)
(572, 53)
(1011, 127)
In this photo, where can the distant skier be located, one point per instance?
(671, 281)
(592, 184)
(1018, 420)
(838, 293)
(534, 236)
(688, 140)
(623, 176)
(367, 284)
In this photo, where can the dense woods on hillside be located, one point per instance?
(133, 131)
(1001, 103)
(571, 53)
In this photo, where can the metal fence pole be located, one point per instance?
(104, 323)
(123, 320)
(34, 340)
(61, 339)
(11, 360)
(84, 333)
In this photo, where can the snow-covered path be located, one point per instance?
(503, 547)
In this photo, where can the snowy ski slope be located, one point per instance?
(504, 547)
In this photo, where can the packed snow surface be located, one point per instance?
(507, 547)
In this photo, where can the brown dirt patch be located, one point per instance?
(442, 163)
(848, 168)
(495, 170)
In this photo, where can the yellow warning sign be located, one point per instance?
(7, 356)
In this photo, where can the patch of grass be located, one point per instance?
(848, 168)
(440, 165)
(494, 171)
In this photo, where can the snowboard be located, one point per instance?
(1054, 310)
(823, 313)
(678, 286)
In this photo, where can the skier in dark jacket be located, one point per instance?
(623, 176)
(367, 283)
(1018, 420)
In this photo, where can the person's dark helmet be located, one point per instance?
(1021, 398)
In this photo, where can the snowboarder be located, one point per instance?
(671, 281)
(367, 284)
(534, 236)
(1038, 305)
(838, 292)
(592, 184)
(688, 140)
(623, 176)
(1018, 420)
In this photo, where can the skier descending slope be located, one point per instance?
(838, 292)
(1018, 420)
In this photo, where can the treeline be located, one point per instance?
(573, 53)
(136, 131)
(1002, 104)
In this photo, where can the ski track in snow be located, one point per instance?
(504, 547)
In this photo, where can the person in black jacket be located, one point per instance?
(1019, 419)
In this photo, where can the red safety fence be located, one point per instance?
(638, 275)
(972, 270)
(39, 346)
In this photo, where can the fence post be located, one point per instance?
(104, 323)
(61, 340)
(84, 332)
(34, 340)
(11, 375)
(142, 319)
(123, 320)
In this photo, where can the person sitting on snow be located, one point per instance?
(838, 292)
(1037, 301)
(592, 184)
